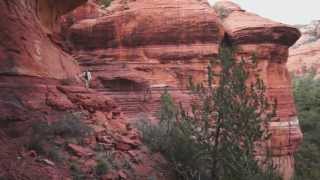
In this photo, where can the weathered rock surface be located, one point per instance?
(269, 41)
(39, 83)
(305, 54)
(135, 49)
(141, 47)
(89, 10)
(25, 32)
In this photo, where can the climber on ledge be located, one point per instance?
(86, 76)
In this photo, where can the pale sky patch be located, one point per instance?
(286, 11)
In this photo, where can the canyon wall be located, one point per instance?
(269, 42)
(305, 54)
(135, 50)
(39, 86)
(26, 48)
(143, 47)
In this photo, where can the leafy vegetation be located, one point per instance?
(70, 126)
(307, 97)
(222, 12)
(101, 167)
(106, 3)
(217, 138)
(77, 173)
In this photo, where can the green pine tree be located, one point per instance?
(217, 138)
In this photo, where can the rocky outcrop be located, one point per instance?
(40, 85)
(269, 42)
(305, 54)
(26, 105)
(90, 10)
(25, 32)
(141, 47)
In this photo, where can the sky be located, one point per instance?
(286, 11)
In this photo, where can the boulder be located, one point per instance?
(80, 151)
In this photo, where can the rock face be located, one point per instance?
(40, 85)
(135, 49)
(25, 33)
(269, 41)
(141, 47)
(89, 10)
(305, 54)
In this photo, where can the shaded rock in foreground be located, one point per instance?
(32, 68)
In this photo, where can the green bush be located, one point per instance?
(55, 154)
(216, 138)
(77, 173)
(221, 12)
(37, 145)
(101, 168)
(106, 3)
(69, 126)
(307, 98)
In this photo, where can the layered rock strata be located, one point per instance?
(269, 42)
(142, 47)
(135, 49)
(39, 84)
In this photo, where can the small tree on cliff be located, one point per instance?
(217, 138)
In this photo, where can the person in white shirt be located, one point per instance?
(87, 78)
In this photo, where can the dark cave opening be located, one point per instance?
(123, 84)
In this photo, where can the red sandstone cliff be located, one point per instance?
(151, 45)
(305, 54)
(134, 49)
(143, 45)
(39, 83)
(26, 48)
(269, 41)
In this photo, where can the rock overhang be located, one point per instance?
(153, 22)
(244, 27)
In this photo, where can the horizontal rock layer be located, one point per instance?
(269, 42)
(149, 23)
(39, 83)
(135, 49)
(142, 47)
(253, 28)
